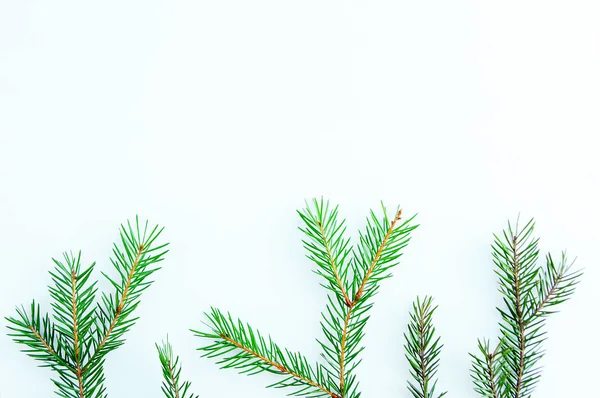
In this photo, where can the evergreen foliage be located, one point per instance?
(423, 350)
(83, 329)
(352, 276)
(530, 292)
(172, 386)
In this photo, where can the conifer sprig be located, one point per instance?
(530, 293)
(423, 350)
(172, 386)
(486, 372)
(351, 275)
(241, 347)
(82, 331)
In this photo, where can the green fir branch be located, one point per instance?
(530, 293)
(82, 331)
(172, 386)
(241, 347)
(327, 246)
(423, 350)
(487, 372)
(352, 276)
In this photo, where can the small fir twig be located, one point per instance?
(486, 371)
(423, 349)
(172, 386)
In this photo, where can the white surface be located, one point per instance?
(218, 118)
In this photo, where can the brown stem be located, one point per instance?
(549, 294)
(78, 371)
(50, 349)
(422, 353)
(119, 307)
(175, 387)
(279, 367)
(520, 324)
(490, 364)
(542, 304)
(343, 350)
(357, 297)
(41, 339)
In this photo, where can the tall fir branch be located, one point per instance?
(423, 348)
(172, 386)
(83, 330)
(530, 293)
(352, 276)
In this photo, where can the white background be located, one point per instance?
(218, 118)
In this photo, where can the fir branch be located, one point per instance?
(529, 291)
(352, 277)
(83, 331)
(486, 372)
(556, 284)
(74, 304)
(117, 314)
(172, 387)
(38, 333)
(344, 319)
(515, 255)
(241, 347)
(379, 249)
(326, 245)
(375, 271)
(73, 310)
(135, 261)
(423, 350)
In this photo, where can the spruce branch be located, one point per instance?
(486, 371)
(73, 309)
(556, 284)
(172, 387)
(135, 261)
(241, 347)
(351, 276)
(83, 331)
(423, 349)
(529, 293)
(378, 251)
(326, 245)
(344, 319)
(38, 333)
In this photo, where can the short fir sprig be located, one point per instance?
(487, 370)
(83, 330)
(530, 293)
(422, 349)
(352, 276)
(172, 385)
